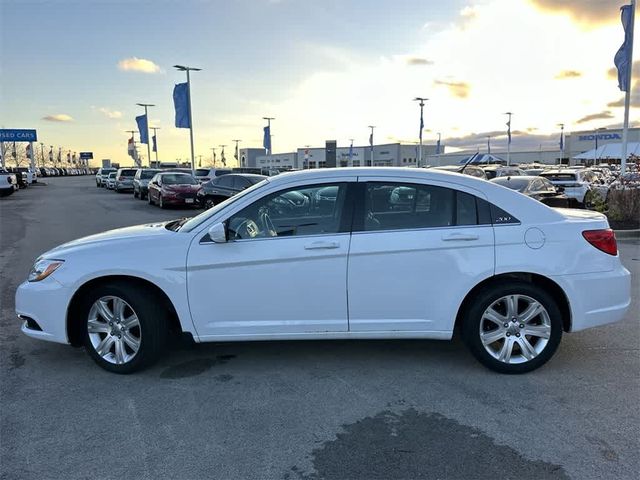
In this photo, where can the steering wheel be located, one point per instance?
(247, 229)
(265, 219)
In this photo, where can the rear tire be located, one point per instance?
(149, 200)
(135, 194)
(512, 327)
(149, 333)
(160, 202)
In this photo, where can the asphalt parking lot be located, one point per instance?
(299, 410)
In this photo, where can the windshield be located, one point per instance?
(204, 216)
(558, 177)
(147, 174)
(201, 172)
(128, 173)
(178, 179)
(512, 183)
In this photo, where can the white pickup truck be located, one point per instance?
(8, 183)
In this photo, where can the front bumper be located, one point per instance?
(46, 303)
(597, 298)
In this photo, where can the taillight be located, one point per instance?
(604, 240)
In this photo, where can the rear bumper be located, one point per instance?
(46, 303)
(597, 298)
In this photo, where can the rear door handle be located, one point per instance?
(465, 237)
(321, 245)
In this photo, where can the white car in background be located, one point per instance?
(102, 174)
(111, 180)
(205, 174)
(346, 253)
(8, 183)
(576, 182)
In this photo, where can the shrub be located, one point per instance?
(624, 204)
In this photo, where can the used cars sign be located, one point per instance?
(18, 135)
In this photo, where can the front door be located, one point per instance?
(416, 250)
(282, 272)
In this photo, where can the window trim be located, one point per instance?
(344, 223)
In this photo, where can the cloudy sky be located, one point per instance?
(325, 69)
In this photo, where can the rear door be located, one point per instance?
(416, 250)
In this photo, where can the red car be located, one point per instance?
(173, 188)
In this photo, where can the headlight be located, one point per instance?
(43, 268)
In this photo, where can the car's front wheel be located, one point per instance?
(124, 329)
(512, 327)
(149, 200)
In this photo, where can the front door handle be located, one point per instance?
(450, 237)
(321, 245)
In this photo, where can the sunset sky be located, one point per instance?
(325, 69)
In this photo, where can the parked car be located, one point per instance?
(538, 188)
(205, 174)
(124, 179)
(111, 180)
(101, 176)
(172, 188)
(575, 181)
(508, 272)
(493, 171)
(221, 188)
(472, 170)
(141, 181)
(8, 183)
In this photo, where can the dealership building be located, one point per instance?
(406, 155)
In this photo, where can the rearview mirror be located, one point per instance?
(218, 233)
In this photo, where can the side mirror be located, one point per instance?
(218, 233)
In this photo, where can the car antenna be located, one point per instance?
(471, 159)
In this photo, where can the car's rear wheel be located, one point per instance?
(512, 327)
(135, 193)
(124, 329)
(149, 200)
(209, 203)
(160, 202)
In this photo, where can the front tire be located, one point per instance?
(512, 327)
(124, 329)
(149, 200)
(160, 202)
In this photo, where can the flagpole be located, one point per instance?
(509, 139)
(371, 142)
(155, 136)
(627, 95)
(561, 143)
(268, 119)
(188, 69)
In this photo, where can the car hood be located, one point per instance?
(111, 237)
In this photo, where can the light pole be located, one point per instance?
(155, 143)
(421, 100)
(268, 119)
(236, 154)
(371, 144)
(561, 125)
(595, 152)
(509, 138)
(146, 116)
(182, 68)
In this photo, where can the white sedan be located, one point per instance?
(361, 253)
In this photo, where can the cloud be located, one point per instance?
(135, 64)
(584, 11)
(596, 116)
(58, 117)
(457, 89)
(634, 100)
(564, 74)
(418, 61)
(110, 113)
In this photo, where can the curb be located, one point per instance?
(628, 234)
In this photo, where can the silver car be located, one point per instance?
(124, 179)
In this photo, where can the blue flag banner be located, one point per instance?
(371, 140)
(266, 142)
(155, 146)
(421, 124)
(142, 128)
(181, 104)
(351, 151)
(509, 130)
(438, 147)
(561, 141)
(622, 58)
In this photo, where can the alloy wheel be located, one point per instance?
(515, 329)
(114, 330)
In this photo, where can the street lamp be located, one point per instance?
(371, 144)
(421, 100)
(509, 138)
(146, 116)
(182, 68)
(268, 119)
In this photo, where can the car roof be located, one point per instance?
(245, 175)
(519, 178)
